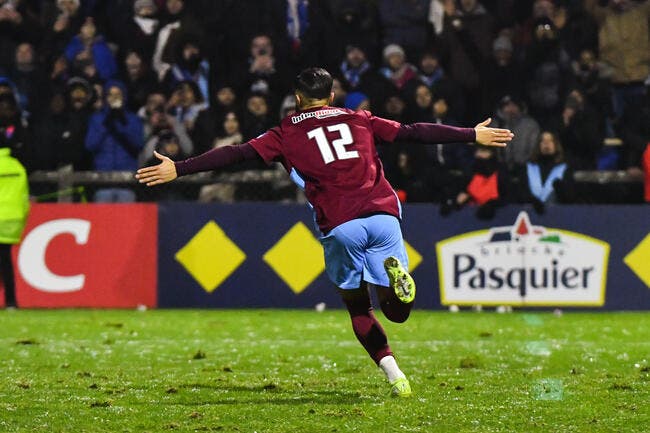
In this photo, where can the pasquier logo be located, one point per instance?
(31, 256)
(522, 265)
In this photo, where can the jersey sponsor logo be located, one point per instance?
(320, 114)
(522, 265)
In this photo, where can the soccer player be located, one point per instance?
(331, 152)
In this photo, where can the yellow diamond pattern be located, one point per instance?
(297, 258)
(210, 256)
(639, 260)
(414, 257)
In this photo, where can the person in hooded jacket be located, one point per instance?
(115, 138)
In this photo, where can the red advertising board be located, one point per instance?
(88, 255)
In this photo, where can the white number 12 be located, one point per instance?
(339, 144)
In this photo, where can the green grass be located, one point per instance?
(301, 371)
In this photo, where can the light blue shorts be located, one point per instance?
(356, 250)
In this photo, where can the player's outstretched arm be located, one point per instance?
(492, 136)
(436, 133)
(157, 174)
(214, 159)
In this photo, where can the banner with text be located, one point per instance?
(268, 255)
(88, 255)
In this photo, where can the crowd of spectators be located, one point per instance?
(101, 84)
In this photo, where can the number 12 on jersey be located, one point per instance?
(345, 139)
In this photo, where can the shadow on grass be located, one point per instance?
(263, 394)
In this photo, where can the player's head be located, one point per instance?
(313, 88)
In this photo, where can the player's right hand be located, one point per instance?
(157, 174)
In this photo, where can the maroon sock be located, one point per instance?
(366, 327)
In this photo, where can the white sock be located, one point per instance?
(390, 368)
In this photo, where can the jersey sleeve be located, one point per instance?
(269, 145)
(384, 129)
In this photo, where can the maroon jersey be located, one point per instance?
(333, 150)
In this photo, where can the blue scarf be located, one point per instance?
(543, 190)
(297, 18)
(353, 75)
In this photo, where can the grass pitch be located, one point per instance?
(302, 371)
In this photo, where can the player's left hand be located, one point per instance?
(492, 136)
(157, 174)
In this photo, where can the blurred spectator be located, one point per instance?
(29, 80)
(405, 23)
(115, 138)
(208, 122)
(181, 26)
(419, 109)
(189, 65)
(582, 132)
(158, 123)
(394, 108)
(305, 26)
(351, 22)
(186, 103)
(230, 135)
(357, 74)
(548, 179)
(87, 46)
(264, 73)
(17, 25)
(141, 31)
(288, 105)
(548, 66)
(231, 132)
(634, 130)
(433, 75)
(357, 101)
(339, 93)
(140, 80)
(591, 78)
(62, 132)
(578, 29)
(257, 118)
(411, 178)
(485, 186)
(466, 45)
(8, 87)
(501, 75)
(511, 115)
(397, 70)
(62, 20)
(13, 129)
(14, 206)
(156, 100)
(624, 45)
(166, 143)
(449, 156)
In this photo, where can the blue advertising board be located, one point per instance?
(267, 255)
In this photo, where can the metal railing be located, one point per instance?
(66, 182)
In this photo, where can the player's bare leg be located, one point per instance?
(394, 309)
(372, 337)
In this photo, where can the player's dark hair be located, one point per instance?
(314, 83)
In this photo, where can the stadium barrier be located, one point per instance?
(266, 255)
(66, 186)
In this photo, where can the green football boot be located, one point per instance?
(400, 388)
(400, 280)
